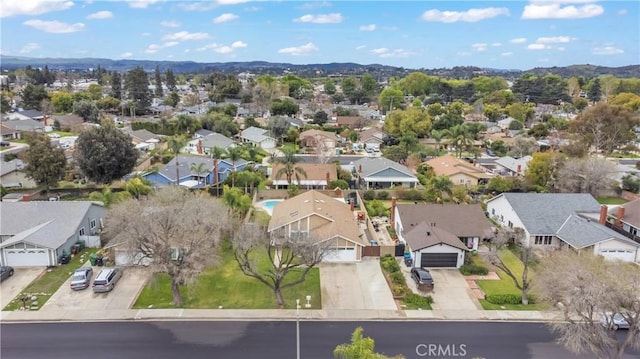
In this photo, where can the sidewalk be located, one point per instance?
(275, 314)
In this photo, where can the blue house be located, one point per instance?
(188, 173)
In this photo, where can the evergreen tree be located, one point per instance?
(116, 85)
(46, 163)
(171, 80)
(137, 85)
(594, 91)
(105, 154)
(159, 92)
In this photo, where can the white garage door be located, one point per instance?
(627, 256)
(27, 257)
(340, 255)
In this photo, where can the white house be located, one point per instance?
(258, 137)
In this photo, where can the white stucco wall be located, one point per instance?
(500, 210)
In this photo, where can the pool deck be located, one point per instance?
(260, 205)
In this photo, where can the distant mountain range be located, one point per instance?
(307, 70)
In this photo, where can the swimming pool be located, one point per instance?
(268, 205)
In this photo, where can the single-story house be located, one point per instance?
(28, 125)
(381, 172)
(37, 233)
(26, 115)
(205, 145)
(562, 220)
(323, 219)
(12, 175)
(258, 137)
(439, 235)
(372, 138)
(144, 139)
(460, 172)
(626, 218)
(509, 166)
(8, 133)
(188, 175)
(314, 138)
(318, 175)
(352, 122)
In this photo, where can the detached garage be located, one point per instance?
(433, 247)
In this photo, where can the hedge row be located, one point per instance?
(507, 299)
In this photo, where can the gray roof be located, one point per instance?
(11, 166)
(462, 220)
(423, 236)
(255, 134)
(580, 232)
(544, 213)
(169, 170)
(203, 132)
(144, 135)
(216, 140)
(35, 114)
(48, 224)
(511, 163)
(24, 125)
(373, 165)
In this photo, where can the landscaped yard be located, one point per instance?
(225, 286)
(50, 281)
(611, 200)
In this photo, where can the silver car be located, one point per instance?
(615, 322)
(106, 280)
(81, 278)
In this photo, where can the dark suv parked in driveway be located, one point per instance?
(5, 272)
(423, 278)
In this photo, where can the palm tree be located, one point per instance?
(137, 187)
(437, 136)
(176, 143)
(234, 154)
(289, 168)
(198, 168)
(460, 138)
(408, 140)
(108, 197)
(441, 185)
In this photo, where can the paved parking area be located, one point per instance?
(14, 285)
(355, 286)
(122, 296)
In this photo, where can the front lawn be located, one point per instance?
(490, 306)
(611, 200)
(225, 286)
(48, 283)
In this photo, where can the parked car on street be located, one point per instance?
(106, 280)
(81, 278)
(5, 272)
(614, 322)
(422, 276)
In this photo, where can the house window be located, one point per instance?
(493, 211)
(543, 240)
(175, 254)
(93, 224)
(510, 224)
(462, 181)
(81, 232)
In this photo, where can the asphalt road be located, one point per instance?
(265, 340)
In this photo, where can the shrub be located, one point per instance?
(418, 300)
(410, 195)
(369, 195)
(382, 195)
(398, 290)
(505, 299)
(397, 278)
(471, 269)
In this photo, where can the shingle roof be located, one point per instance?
(448, 165)
(631, 213)
(255, 134)
(581, 232)
(512, 164)
(58, 220)
(144, 135)
(35, 114)
(314, 133)
(373, 165)
(543, 213)
(423, 236)
(11, 166)
(341, 221)
(462, 220)
(216, 140)
(169, 170)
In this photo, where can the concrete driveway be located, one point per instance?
(122, 296)
(355, 286)
(12, 286)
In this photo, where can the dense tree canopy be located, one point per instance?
(46, 163)
(105, 154)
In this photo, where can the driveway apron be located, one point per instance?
(12, 286)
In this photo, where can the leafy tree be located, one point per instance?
(628, 100)
(62, 102)
(359, 348)
(342, 184)
(108, 103)
(298, 87)
(136, 84)
(46, 163)
(116, 85)
(220, 123)
(284, 107)
(289, 259)
(158, 82)
(594, 91)
(631, 183)
(32, 96)
(499, 184)
(516, 125)
(439, 186)
(95, 91)
(395, 153)
(320, 118)
(109, 197)
(538, 131)
(234, 154)
(584, 286)
(172, 99)
(105, 154)
(604, 127)
(413, 119)
(251, 122)
(542, 169)
(499, 148)
(237, 201)
(88, 110)
(170, 78)
(390, 99)
(523, 146)
(169, 229)
(369, 85)
(289, 168)
(460, 138)
(329, 87)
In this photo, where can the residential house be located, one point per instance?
(205, 145)
(509, 166)
(144, 139)
(626, 219)
(325, 220)
(215, 171)
(34, 234)
(26, 115)
(380, 172)
(439, 235)
(459, 171)
(372, 138)
(505, 123)
(258, 137)
(26, 125)
(318, 176)
(352, 122)
(562, 220)
(8, 133)
(316, 138)
(12, 175)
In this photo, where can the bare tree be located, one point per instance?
(588, 288)
(290, 259)
(523, 146)
(585, 175)
(176, 231)
(323, 152)
(503, 237)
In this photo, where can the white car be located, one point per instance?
(614, 322)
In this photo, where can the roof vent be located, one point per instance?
(428, 233)
(294, 213)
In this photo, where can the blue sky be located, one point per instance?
(412, 34)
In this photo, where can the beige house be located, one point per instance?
(316, 138)
(460, 172)
(326, 220)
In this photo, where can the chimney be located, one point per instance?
(352, 206)
(393, 212)
(215, 171)
(619, 217)
(327, 177)
(26, 197)
(519, 169)
(603, 214)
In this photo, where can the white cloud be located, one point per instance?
(170, 44)
(518, 40)
(333, 18)
(560, 48)
(141, 4)
(32, 46)
(33, 7)
(197, 6)
(479, 46)
(387, 53)
(299, 50)
(463, 53)
(496, 44)
(238, 44)
(361, 47)
(550, 10)
(607, 50)
(100, 15)
(208, 47)
(231, 2)
(169, 23)
(370, 27)
(553, 40)
(125, 55)
(225, 18)
(54, 27)
(506, 54)
(380, 50)
(471, 15)
(223, 50)
(623, 12)
(185, 35)
(145, 34)
(536, 47)
(153, 48)
(314, 5)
